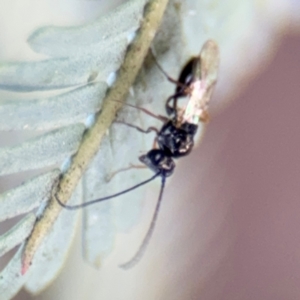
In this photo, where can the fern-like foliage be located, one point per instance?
(81, 61)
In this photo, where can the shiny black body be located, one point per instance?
(174, 142)
(174, 139)
(184, 81)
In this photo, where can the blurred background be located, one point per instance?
(244, 235)
(238, 240)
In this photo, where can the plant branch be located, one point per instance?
(91, 140)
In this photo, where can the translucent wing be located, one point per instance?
(204, 75)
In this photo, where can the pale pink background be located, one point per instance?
(242, 238)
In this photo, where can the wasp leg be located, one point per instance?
(130, 167)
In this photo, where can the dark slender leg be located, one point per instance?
(172, 109)
(178, 83)
(148, 130)
(131, 166)
(146, 111)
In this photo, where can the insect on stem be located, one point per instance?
(140, 252)
(175, 138)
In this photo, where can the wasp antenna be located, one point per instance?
(140, 252)
(78, 206)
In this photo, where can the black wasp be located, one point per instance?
(176, 137)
